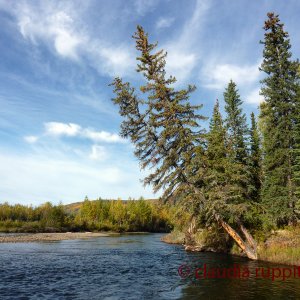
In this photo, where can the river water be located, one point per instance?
(136, 266)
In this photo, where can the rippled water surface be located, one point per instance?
(128, 267)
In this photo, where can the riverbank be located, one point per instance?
(40, 237)
(283, 246)
(280, 246)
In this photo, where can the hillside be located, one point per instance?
(74, 207)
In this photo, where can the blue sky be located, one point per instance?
(58, 127)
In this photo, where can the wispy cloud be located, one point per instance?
(182, 55)
(55, 27)
(254, 97)
(31, 139)
(164, 22)
(49, 179)
(44, 177)
(61, 26)
(98, 153)
(111, 59)
(58, 129)
(71, 129)
(217, 76)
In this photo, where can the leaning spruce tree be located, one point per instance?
(279, 116)
(164, 127)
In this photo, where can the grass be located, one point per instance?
(174, 237)
(282, 247)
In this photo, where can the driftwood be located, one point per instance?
(248, 245)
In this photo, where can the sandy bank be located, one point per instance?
(39, 237)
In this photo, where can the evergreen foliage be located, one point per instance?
(216, 177)
(225, 194)
(296, 166)
(255, 161)
(164, 127)
(226, 176)
(237, 131)
(236, 123)
(279, 117)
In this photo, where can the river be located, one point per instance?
(135, 266)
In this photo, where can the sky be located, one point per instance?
(59, 130)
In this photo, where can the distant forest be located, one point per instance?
(96, 215)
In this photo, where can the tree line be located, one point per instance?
(242, 178)
(92, 215)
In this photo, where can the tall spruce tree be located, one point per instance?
(217, 177)
(237, 130)
(279, 91)
(236, 122)
(255, 161)
(217, 161)
(223, 174)
(165, 129)
(296, 166)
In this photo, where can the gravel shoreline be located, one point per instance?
(40, 237)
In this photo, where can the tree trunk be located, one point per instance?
(248, 247)
(248, 237)
(189, 234)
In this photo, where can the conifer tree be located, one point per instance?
(223, 174)
(236, 122)
(279, 90)
(255, 161)
(237, 130)
(216, 177)
(165, 129)
(296, 166)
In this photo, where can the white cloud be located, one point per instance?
(114, 61)
(31, 139)
(182, 57)
(39, 178)
(57, 129)
(62, 27)
(71, 129)
(254, 97)
(195, 22)
(180, 64)
(50, 25)
(101, 136)
(49, 179)
(217, 76)
(98, 153)
(164, 23)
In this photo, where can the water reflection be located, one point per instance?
(252, 286)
